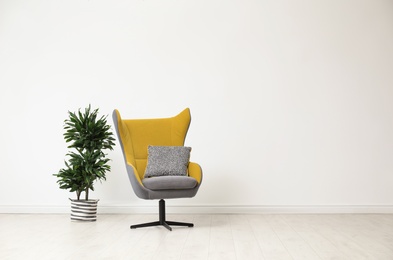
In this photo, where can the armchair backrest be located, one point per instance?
(135, 135)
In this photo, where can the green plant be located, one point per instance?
(88, 135)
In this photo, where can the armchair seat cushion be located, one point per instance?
(170, 183)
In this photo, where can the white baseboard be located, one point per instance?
(209, 209)
(236, 209)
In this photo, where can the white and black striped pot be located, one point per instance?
(84, 210)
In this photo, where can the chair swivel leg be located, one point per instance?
(162, 220)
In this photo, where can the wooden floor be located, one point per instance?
(224, 237)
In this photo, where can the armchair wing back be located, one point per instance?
(138, 134)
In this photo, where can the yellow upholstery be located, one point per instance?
(194, 170)
(137, 134)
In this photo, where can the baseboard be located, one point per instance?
(209, 209)
(237, 209)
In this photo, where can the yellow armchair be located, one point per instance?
(135, 135)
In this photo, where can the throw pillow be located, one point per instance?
(167, 160)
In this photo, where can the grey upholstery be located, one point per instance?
(169, 183)
(148, 194)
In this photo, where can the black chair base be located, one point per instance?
(162, 221)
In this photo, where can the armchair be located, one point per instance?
(135, 136)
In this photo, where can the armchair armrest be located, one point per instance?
(195, 171)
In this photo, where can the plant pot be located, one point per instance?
(84, 210)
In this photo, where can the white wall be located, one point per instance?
(291, 100)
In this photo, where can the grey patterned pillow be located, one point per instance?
(167, 160)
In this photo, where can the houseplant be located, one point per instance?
(88, 136)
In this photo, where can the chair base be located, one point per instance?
(162, 221)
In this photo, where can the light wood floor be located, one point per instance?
(325, 236)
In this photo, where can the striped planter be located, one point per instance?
(84, 210)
